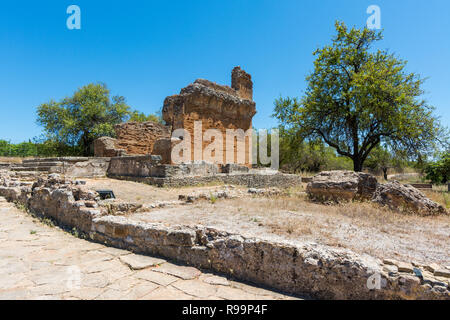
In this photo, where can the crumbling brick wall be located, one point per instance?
(242, 83)
(138, 138)
(107, 147)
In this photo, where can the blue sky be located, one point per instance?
(147, 50)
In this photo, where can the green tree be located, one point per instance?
(357, 98)
(298, 155)
(80, 119)
(142, 117)
(381, 160)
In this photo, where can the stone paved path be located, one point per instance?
(42, 262)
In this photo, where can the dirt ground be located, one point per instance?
(362, 227)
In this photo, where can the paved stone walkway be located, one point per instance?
(38, 261)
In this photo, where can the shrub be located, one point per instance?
(439, 171)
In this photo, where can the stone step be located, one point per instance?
(43, 164)
(27, 174)
(59, 159)
(35, 168)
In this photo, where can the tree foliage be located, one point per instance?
(380, 160)
(298, 155)
(142, 117)
(439, 171)
(72, 124)
(37, 148)
(80, 119)
(358, 98)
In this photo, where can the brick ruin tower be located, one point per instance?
(242, 83)
(216, 106)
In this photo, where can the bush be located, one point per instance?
(37, 148)
(439, 171)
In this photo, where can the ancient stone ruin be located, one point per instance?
(143, 151)
(203, 102)
(215, 107)
(133, 138)
(306, 269)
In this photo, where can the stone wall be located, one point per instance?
(107, 147)
(138, 138)
(92, 168)
(250, 180)
(241, 81)
(5, 165)
(134, 166)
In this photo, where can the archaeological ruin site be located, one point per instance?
(336, 235)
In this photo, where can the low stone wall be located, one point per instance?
(5, 165)
(147, 169)
(251, 180)
(92, 168)
(319, 271)
(316, 271)
(134, 166)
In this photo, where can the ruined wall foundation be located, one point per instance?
(318, 271)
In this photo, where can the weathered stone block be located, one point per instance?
(341, 185)
(138, 138)
(406, 198)
(107, 147)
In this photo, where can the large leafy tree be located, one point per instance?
(358, 97)
(80, 119)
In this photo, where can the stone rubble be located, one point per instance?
(337, 186)
(227, 192)
(405, 198)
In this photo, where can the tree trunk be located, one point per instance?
(357, 165)
(385, 170)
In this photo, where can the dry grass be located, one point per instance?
(11, 159)
(440, 196)
(361, 226)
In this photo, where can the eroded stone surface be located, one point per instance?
(139, 262)
(406, 198)
(341, 185)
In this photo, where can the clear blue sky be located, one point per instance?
(147, 50)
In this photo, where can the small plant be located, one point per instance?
(33, 231)
(21, 206)
(49, 222)
(75, 232)
(212, 198)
